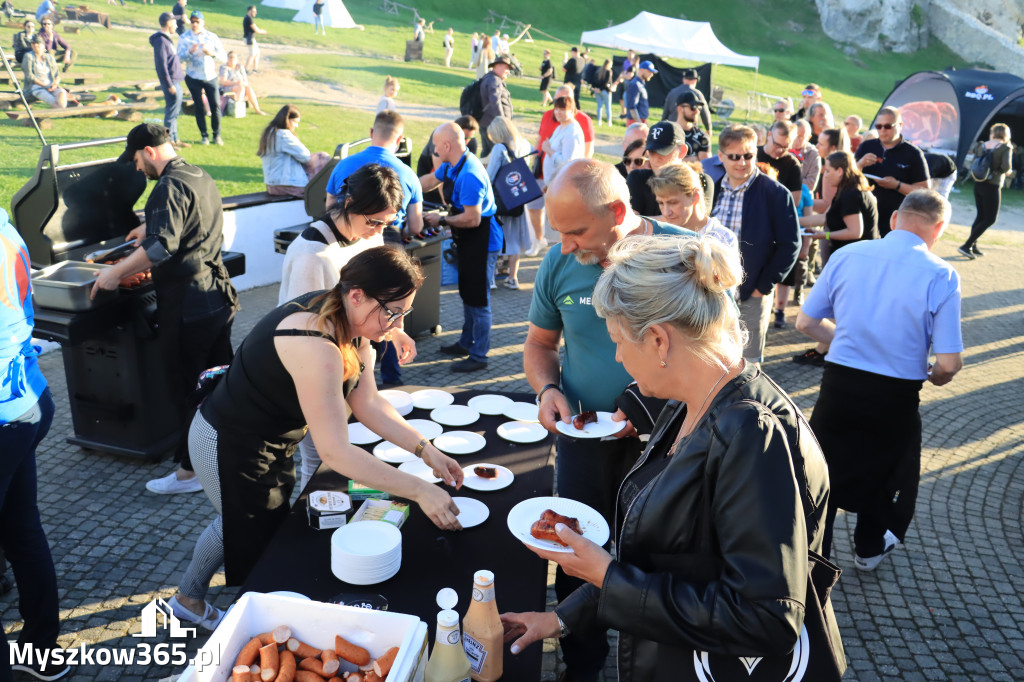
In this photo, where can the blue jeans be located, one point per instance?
(22, 537)
(476, 326)
(390, 371)
(604, 101)
(172, 108)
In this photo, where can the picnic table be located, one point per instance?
(298, 558)
(88, 16)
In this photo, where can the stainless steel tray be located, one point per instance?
(66, 286)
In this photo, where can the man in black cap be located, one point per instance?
(666, 146)
(688, 107)
(495, 97)
(689, 84)
(181, 241)
(169, 73)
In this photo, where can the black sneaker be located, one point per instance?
(976, 251)
(810, 357)
(966, 252)
(454, 349)
(468, 365)
(780, 319)
(41, 672)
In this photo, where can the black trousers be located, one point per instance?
(987, 198)
(197, 87)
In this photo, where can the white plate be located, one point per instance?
(428, 429)
(419, 469)
(869, 176)
(471, 512)
(361, 435)
(471, 480)
(523, 412)
(391, 453)
(604, 426)
(522, 432)
(366, 539)
(430, 398)
(294, 595)
(400, 400)
(460, 442)
(490, 404)
(454, 415)
(522, 516)
(808, 233)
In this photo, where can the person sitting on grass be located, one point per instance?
(42, 75)
(234, 81)
(287, 165)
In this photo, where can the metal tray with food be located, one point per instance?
(67, 286)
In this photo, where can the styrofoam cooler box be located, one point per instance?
(316, 624)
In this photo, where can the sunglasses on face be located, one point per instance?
(373, 222)
(736, 157)
(884, 126)
(780, 111)
(393, 315)
(626, 161)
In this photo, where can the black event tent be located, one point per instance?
(948, 111)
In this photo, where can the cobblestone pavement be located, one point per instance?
(945, 607)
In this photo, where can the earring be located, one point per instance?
(664, 364)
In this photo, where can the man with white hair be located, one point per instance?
(894, 303)
(588, 204)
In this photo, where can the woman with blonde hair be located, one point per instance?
(483, 58)
(508, 143)
(387, 100)
(716, 518)
(234, 80)
(680, 196)
(988, 190)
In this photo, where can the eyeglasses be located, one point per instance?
(736, 157)
(780, 111)
(626, 161)
(393, 315)
(374, 222)
(884, 126)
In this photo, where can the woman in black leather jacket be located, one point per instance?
(732, 458)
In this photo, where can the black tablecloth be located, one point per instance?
(299, 558)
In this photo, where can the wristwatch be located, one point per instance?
(540, 394)
(562, 626)
(443, 222)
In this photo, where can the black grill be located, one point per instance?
(119, 398)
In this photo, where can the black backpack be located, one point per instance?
(469, 101)
(982, 166)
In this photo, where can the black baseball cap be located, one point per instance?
(142, 136)
(664, 136)
(689, 97)
(691, 74)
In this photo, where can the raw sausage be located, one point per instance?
(350, 652)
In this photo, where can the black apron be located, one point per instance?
(471, 244)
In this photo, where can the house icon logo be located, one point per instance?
(151, 615)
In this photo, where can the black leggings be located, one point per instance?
(197, 87)
(987, 197)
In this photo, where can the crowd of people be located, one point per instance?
(672, 268)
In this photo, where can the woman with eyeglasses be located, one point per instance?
(288, 166)
(895, 166)
(302, 368)
(634, 157)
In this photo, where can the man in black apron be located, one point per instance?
(478, 239)
(196, 302)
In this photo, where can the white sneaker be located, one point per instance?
(209, 620)
(871, 563)
(493, 285)
(172, 485)
(511, 284)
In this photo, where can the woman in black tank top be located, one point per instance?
(300, 368)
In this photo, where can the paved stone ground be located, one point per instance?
(946, 607)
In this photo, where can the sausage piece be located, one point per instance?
(306, 676)
(241, 673)
(286, 672)
(301, 649)
(269, 662)
(247, 656)
(313, 665)
(330, 659)
(382, 666)
(350, 652)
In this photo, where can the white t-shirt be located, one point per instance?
(312, 266)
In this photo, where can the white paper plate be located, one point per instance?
(807, 233)
(471, 512)
(604, 426)
(431, 398)
(428, 429)
(523, 412)
(523, 432)
(366, 539)
(391, 453)
(454, 415)
(361, 435)
(400, 400)
(471, 480)
(419, 469)
(460, 442)
(294, 595)
(490, 404)
(522, 516)
(869, 176)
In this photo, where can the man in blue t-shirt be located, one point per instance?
(477, 235)
(588, 471)
(385, 135)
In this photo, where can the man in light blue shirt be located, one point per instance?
(894, 303)
(199, 51)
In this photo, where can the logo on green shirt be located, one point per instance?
(567, 300)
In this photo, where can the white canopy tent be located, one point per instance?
(334, 14)
(667, 37)
(284, 4)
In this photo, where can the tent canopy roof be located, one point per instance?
(668, 37)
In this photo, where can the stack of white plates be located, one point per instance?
(366, 552)
(400, 400)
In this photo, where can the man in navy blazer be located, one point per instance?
(762, 214)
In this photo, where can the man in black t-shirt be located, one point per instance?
(573, 68)
(674, 96)
(899, 166)
(249, 31)
(688, 107)
(179, 15)
(776, 154)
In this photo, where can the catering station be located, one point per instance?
(328, 560)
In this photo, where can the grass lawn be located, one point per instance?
(792, 52)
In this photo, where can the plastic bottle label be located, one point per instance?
(475, 652)
(483, 594)
(453, 637)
